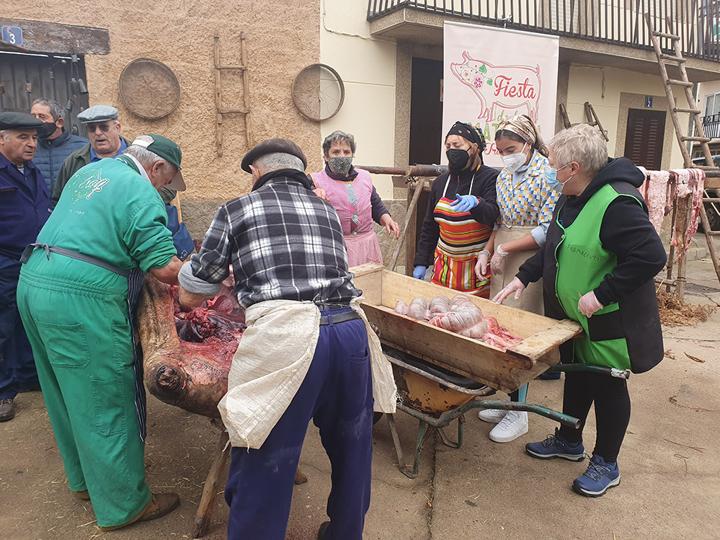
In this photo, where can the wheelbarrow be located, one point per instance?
(441, 375)
(437, 397)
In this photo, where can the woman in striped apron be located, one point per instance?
(460, 216)
(526, 199)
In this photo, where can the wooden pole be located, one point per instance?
(205, 508)
(410, 214)
(681, 226)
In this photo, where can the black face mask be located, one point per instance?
(47, 129)
(457, 159)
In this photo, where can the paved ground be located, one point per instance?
(670, 465)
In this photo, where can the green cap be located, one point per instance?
(169, 151)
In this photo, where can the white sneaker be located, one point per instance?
(514, 425)
(492, 416)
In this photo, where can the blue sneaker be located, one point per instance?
(554, 446)
(599, 477)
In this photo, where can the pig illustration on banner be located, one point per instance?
(514, 89)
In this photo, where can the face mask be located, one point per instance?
(457, 159)
(47, 129)
(514, 161)
(552, 179)
(340, 165)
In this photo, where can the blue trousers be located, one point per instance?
(17, 367)
(337, 395)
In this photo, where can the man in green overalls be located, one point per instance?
(74, 297)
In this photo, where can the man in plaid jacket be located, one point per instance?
(288, 259)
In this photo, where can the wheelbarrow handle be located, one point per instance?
(565, 419)
(583, 368)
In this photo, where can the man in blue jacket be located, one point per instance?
(24, 209)
(58, 144)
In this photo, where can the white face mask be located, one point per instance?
(514, 161)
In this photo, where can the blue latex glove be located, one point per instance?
(464, 203)
(419, 272)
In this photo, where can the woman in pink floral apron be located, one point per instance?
(351, 192)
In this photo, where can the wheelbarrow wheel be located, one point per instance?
(376, 417)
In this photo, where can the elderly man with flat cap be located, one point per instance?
(305, 354)
(77, 292)
(106, 141)
(24, 208)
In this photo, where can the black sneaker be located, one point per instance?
(7, 409)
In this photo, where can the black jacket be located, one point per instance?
(627, 232)
(486, 212)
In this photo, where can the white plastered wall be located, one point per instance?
(367, 68)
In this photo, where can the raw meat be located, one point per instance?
(187, 355)
(459, 315)
(439, 304)
(419, 309)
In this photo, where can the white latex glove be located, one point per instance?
(497, 263)
(515, 287)
(481, 268)
(589, 304)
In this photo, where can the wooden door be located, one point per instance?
(644, 138)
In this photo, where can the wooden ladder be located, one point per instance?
(220, 110)
(590, 117)
(682, 139)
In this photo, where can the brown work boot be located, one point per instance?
(7, 409)
(82, 495)
(160, 505)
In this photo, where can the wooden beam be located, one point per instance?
(48, 37)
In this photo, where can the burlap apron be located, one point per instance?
(532, 297)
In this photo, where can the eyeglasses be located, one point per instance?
(102, 126)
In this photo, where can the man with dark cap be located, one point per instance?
(106, 141)
(304, 355)
(76, 296)
(460, 216)
(24, 208)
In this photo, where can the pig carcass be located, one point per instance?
(187, 355)
(516, 89)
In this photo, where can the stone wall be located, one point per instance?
(281, 38)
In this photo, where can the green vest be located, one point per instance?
(583, 263)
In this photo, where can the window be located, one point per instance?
(712, 104)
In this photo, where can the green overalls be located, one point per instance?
(76, 318)
(583, 263)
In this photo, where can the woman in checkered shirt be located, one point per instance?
(526, 198)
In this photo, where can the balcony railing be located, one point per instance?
(711, 125)
(620, 22)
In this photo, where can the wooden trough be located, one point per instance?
(502, 370)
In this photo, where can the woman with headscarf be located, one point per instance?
(526, 197)
(460, 215)
(351, 192)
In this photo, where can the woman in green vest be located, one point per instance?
(598, 265)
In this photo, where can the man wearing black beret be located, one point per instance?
(304, 355)
(24, 208)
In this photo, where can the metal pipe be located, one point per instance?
(410, 170)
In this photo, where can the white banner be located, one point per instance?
(491, 74)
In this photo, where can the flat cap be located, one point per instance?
(19, 120)
(98, 113)
(272, 146)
